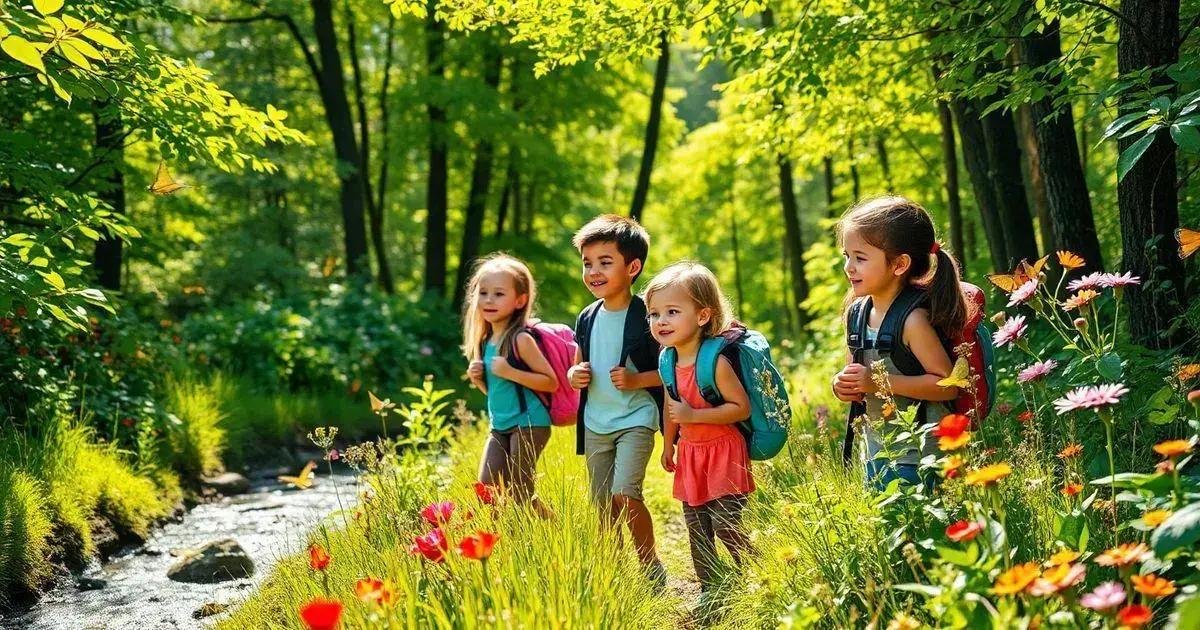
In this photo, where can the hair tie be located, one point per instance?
(935, 248)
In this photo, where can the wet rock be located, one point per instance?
(228, 484)
(209, 609)
(218, 561)
(89, 584)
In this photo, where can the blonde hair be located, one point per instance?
(702, 289)
(476, 330)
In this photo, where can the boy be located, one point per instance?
(616, 367)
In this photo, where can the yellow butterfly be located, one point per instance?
(1008, 282)
(1189, 241)
(302, 481)
(1070, 260)
(163, 183)
(959, 376)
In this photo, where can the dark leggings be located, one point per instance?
(510, 459)
(719, 518)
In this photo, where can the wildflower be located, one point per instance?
(439, 513)
(1090, 281)
(1036, 371)
(1080, 324)
(1071, 450)
(1092, 397)
(432, 546)
(375, 591)
(484, 493)
(1165, 467)
(963, 531)
(988, 475)
(1065, 556)
(321, 614)
(954, 443)
(1016, 579)
(1118, 280)
(1188, 371)
(318, 558)
(1083, 298)
(1105, 597)
(787, 555)
(888, 410)
(478, 546)
(1123, 555)
(952, 425)
(1070, 260)
(903, 622)
(1012, 330)
(1173, 448)
(1004, 408)
(951, 465)
(1153, 586)
(1072, 489)
(1025, 416)
(1058, 578)
(1022, 293)
(333, 455)
(1154, 518)
(1134, 616)
(377, 405)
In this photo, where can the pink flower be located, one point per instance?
(1022, 294)
(1113, 280)
(1090, 397)
(1036, 371)
(1090, 281)
(432, 546)
(1106, 597)
(439, 513)
(1011, 331)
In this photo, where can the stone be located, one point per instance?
(218, 561)
(228, 484)
(209, 609)
(89, 584)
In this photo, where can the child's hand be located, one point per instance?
(501, 368)
(620, 378)
(679, 411)
(475, 371)
(668, 458)
(580, 375)
(856, 379)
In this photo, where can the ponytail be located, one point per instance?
(947, 308)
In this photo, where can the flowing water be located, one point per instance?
(269, 522)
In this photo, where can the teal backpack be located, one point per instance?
(750, 355)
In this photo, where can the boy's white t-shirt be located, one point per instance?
(609, 409)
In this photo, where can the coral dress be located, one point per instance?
(712, 460)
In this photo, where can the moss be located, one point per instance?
(25, 530)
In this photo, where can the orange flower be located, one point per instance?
(318, 558)
(988, 475)
(1025, 416)
(478, 546)
(1066, 556)
(952, 426)
(1016, 579)
(888, 410)
(954, 443)
(1072, 489)
(951, 465)
(375, 591)
(1057, 578)
(1134, 616)
(1071, 450)
(1153, 586)
(1173, 448)
(321, 614)
(1070, 260)
(1188, 371)
(1123, 555)
(1082, 298)
(1154, 518)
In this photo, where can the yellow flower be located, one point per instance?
(903, 622)
(888, 410)
(1071, 450)
(951, 465)
(954, 443)
(1083, 298)
(1154, 518)
(1123, 555)
(1016, 579)
(1070, 260)
(1188, 371)
(787, 554)
(1151, 585)
(988, 475)
(1066, 556)
(1173, 448)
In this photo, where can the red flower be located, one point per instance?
(1025, 416)
(952, 426)
(1134, 616)
(438, 514)
(321, 614)
(478, 546)
(318, 558)
(432, 545)
(484, 493)
(963, 531)
(1072, 489)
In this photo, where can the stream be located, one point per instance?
(270, 521)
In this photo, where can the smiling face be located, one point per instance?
(675, 319)
(867, 266)
(605, 271)
(498, 298)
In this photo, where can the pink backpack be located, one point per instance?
(557, 343)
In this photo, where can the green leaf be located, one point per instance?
(1187, 613)
(1181, 529)
(20, 239)
(20, 49)
(69, 50)
(1110, 367)
(1129, 157)
(104, 38)
(1187, 137)
(48, 7)
(53, 279)
(89, 232)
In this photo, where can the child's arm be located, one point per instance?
(922, 339)
(475, 372)
(735, 409)
(843, 387)
(539, 378)
(625, 379)
(670, 431)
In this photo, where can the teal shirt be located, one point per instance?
(504, 404)
(609, 409)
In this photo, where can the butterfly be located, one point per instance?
(1189, 241)
(959, 376)
(1070, 260)
(1023, 273)
(163, 183)
(303, 480)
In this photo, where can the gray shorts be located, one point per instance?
(616, 462)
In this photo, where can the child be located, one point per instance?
(894, 261)
(616, 367)
(711, 462)
(500, 303)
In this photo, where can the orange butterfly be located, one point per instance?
(163, 184)
(1008, 282)
(1189, 241)
(1070, 260)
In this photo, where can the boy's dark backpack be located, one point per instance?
(750, 355)
(889, 342)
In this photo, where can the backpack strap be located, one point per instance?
(706, 369)
(583, 328)
(635, 329)
(890, 340)
(856, 342)
(666, 371)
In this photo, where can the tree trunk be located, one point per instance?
(1004, 160)
(953, 202)
(481, 183)
(974, 149)
(1035, 185)
(110, 139)
(435, 192)
(506, 195)
(652, 126)
(884, 166)
(855, 188)
(829, 209)
(1062, 168)
(332, 86)
(1146, 196)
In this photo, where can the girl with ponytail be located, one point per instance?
(905, 303)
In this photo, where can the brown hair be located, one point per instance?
(702, 288)
(898, 226)
(631, 238)
(476, 330)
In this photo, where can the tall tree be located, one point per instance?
(855, 184)
(1004, 163)
(653, 123)
(436, 186)
(884, 165)
(827, 163)
(953, 201)
(975, 158)
(107, 256)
